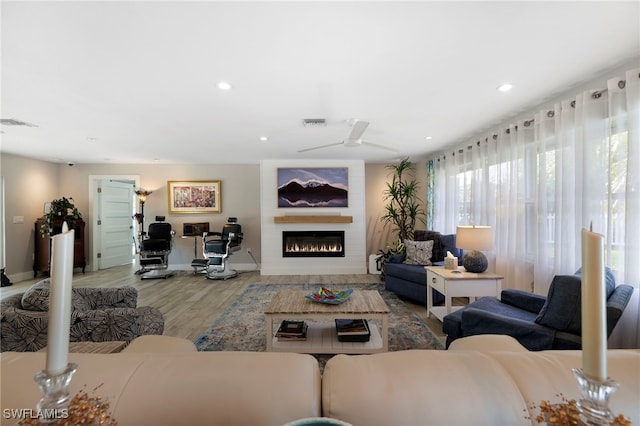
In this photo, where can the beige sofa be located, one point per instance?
(163, 381)
(466, 385)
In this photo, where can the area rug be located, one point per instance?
(241, 327)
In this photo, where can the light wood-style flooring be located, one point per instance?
(190, 303)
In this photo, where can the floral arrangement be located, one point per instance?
(63, 209)
(84, 409)
(567, 413)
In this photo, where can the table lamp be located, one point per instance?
(473, 239)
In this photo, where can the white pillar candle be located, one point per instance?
(594, 319)
(60, 301)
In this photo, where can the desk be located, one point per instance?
(198, 265)
(458, 283)
(195, 244)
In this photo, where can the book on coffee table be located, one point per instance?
(353, 330)
(292, 331)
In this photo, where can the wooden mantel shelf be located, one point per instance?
(313, 219)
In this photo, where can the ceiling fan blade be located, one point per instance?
(321, 146)
(357, 130)
(380, 146)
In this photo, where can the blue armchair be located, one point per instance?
(537, 322)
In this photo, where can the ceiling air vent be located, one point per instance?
(13, 122)
(314, 122)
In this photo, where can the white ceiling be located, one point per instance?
(135, 82)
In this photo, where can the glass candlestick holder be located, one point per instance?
(594, 405)
(55, 399)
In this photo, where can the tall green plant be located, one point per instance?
(403, 207)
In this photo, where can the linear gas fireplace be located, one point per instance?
(313, 243)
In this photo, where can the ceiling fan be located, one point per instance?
(354, 139)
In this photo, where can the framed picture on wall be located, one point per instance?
(313, 187)
(194, 196)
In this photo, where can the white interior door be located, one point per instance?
(115, 223)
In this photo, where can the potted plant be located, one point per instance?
(393, 249)
(61, 210)
(403, 207)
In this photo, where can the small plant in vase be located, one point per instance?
(393, 249)
(62, 210)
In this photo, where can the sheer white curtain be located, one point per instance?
(485, 184)
(539, 181)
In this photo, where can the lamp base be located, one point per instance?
(475, 261)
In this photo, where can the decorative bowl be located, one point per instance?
(332, 297)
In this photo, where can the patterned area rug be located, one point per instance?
(241, 326)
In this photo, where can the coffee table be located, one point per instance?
(321, 334)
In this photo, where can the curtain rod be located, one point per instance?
(596, 94)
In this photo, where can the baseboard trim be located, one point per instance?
(20, 276)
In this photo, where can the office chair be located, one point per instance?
(217, 246)
(155, 249)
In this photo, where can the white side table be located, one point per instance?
(458, 283)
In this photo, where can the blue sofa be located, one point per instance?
(410, 281)
(537, 322)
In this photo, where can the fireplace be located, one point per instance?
(312, 243)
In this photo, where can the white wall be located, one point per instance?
(29, 183)
(239, 187)
(273, 263)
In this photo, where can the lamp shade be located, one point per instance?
(474, 237)
(142, 195)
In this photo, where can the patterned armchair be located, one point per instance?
(97, 315)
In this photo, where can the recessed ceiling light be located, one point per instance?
(224, 85)
(505, 87)
(428, 138)
(264, 138)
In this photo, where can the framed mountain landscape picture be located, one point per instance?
(313, 187)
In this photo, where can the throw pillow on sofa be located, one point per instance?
(418, 252)
(36, 298)
(441, 244)
(425, 235)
